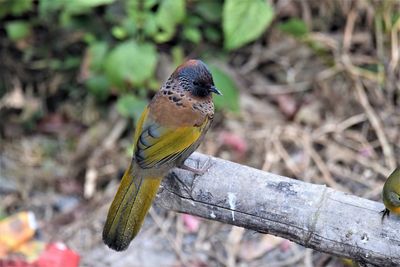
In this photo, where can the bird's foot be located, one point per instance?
(187, 189)
(385, 212)
(198, 171)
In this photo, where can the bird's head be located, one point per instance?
(194, 76)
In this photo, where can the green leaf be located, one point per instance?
(97, 54)
(371, 67)
(99, 86)
(148, 4)
(82, 6)
(14, 7)
(71, 63)
(119, 32)
(194, 21)
(294, 27)
(395, 18)
(131, 106)
(89, 38)
(192, 34)
(49, 6)
(129, 26)
(150, 26)
(169, 14)
(210, 10)
(131, 62)
(224, 83)
(178, 55)
(17, 30)
(244, 21)
(212, 34)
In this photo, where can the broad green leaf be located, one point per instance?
(131, 62)
(17, 30)
(295, 27)
(230, 98)
(169, 14)
(244, 21)
(131, 106)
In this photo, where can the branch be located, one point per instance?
(314, 216)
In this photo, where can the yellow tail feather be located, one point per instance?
(131, 204)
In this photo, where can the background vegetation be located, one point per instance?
(115, 45)
(311, 91)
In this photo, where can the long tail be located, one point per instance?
(128, 209)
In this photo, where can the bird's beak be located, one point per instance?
(215, 90)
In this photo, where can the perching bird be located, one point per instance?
(391, 194)
(170, 128)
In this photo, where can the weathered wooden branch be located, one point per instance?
(314, 216)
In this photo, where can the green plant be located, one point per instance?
(17, 30)
(122, 39)
(230, 99)
(245, 21)
(295, 27)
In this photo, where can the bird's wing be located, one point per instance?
(156, 145)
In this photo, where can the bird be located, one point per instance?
(391, 194)
(170, 129)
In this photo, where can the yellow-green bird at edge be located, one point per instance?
(391, 194)
(169, 130)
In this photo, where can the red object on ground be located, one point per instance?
(57, 255)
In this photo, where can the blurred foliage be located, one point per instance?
(17, 30)
(228, 89)
(123, 38)
(130, 106)
(245, 21)
(294, 27)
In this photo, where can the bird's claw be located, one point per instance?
(385, 212)
(198, 171)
